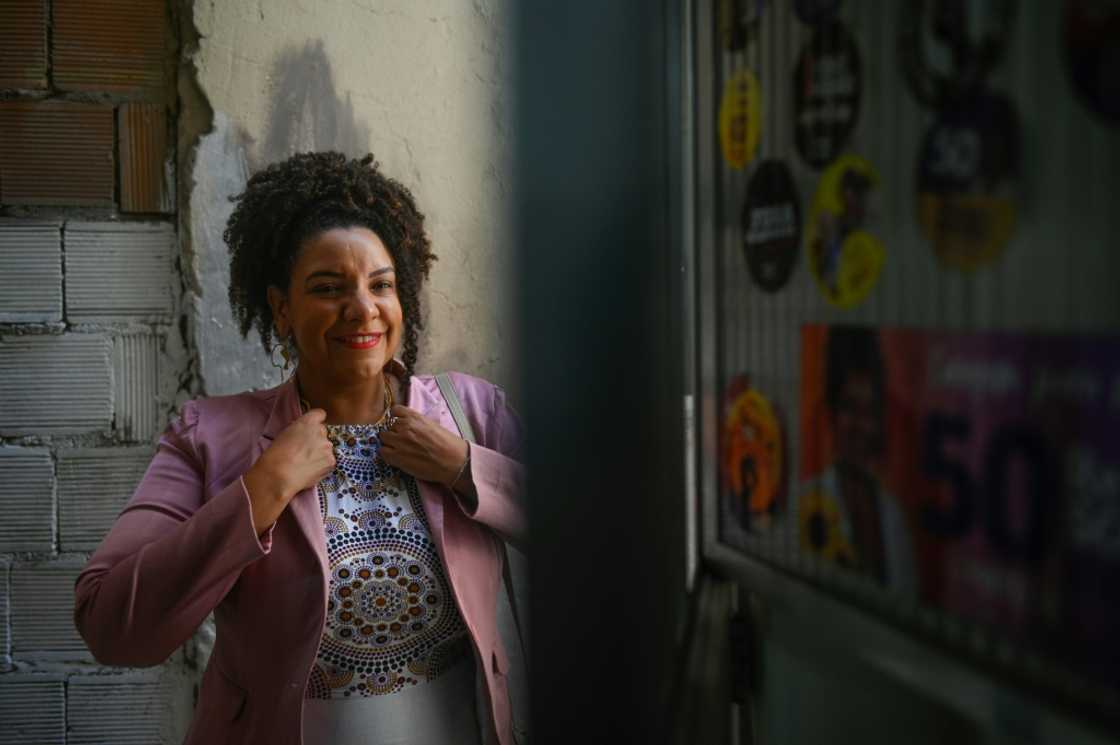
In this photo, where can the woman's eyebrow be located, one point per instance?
(339, 275)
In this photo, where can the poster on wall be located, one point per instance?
(978, 473)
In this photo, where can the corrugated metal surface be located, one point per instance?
(145, 172)
(43, 612)
(23, 44)
(1049, 277)
(26, 499)
(136, 386)
(56, 152)
(102, 709)
(1056, 274)
(55, 384)
(109, 45)
(94, 484)
(32, 711)
(118, 271)
(30, 271)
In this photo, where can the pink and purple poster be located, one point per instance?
(977, 472)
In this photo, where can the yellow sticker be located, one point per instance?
(740, 119)
(844, 257)
(967, 231)
(752, 452)
(820, 531)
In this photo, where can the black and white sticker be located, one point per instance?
(826, 94)
(771, 225)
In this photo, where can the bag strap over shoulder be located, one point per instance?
(443, 380)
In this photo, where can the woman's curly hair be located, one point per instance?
(294, 200)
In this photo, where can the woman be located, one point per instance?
(349, 546)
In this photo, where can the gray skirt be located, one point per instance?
(435, 713)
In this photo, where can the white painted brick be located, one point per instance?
(118, 271)
(30, 271)
(26, 499)
(116, 709)
(5, 636)
(42, 612)
(136, 386)
(55, 384)
(94, 484)
(32, 710)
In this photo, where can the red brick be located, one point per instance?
(144, 153)
(23, 44)
(54, 152)
(118, 46)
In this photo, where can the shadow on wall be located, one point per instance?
(305, 113)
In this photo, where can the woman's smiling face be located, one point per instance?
(342, 306)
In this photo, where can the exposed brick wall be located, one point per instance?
(92, 356)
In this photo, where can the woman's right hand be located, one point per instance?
(299, 457)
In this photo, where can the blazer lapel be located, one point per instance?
(304, 507)
(431, 405)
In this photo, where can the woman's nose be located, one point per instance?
(362, 306)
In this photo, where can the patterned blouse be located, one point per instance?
(391, 620)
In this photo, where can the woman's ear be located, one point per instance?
(278, 301)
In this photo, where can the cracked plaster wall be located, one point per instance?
(424, 87)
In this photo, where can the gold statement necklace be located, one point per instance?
(385, 417)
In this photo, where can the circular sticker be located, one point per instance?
(740, 119)
(816, 12)
(844, 257)
(968, 41)
(966, 168)
(826, 94)
(738, 22)
(771, 225)
(820, 529)
(1092, 40)
(751, 462)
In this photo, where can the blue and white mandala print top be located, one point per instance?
(392, 623)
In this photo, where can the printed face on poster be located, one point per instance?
(978, 473)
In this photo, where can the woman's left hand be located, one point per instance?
(423, 449)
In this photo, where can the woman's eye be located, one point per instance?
(383, 285)
(325, 289)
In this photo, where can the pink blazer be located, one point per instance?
(185, 546)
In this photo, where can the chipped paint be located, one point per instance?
(227, 362)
